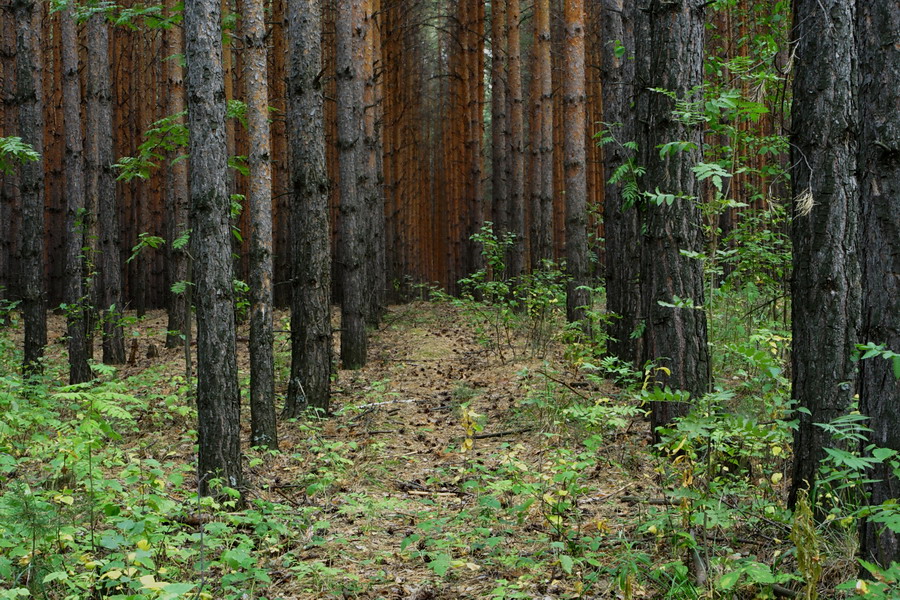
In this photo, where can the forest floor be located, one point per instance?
(450, 468)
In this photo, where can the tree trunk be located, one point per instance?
(825, 227)
(878, 22)
(543, 41)
(577, 260)
(499, 153)
(100, 159)
(263, 430)
(76, 312)
(670, 57)
(29, 70)
(373, 197)
(537, 243)
(218, 395)
(516, 257)
(349, 36)
(622, 229)
(176, 202)
(310, 309)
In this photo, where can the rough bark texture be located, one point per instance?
(31, 129)
(373, 193)
(263, 430)
(543, 41)
(310, 310)
(103, 184)
(825, 226)
(176, 201)
(349, 56)
(878, 22)
(516, 260)
(536, 240)
(218, 395)
(670, 56)
(76, 315)
(10, 202)
(622, 229)
(577, 261)
(499, 151)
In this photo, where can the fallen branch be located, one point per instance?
(563, 383)
(385, 403)
(655, 501)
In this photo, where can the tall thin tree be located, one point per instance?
(263, 431)
(825, 227)
(577, 260)
(218, 395)
(622, 232)
(669, 57)
(516, 260)
(879, 190)
(311, 351)
(499, 149)
(545, 74)
(349, 37)
(31, 129)
(103, 185)
(76, 311)
(176, 194)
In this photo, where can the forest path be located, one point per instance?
(381, 500)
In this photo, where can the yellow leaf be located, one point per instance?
(143, 545)
(776, 450)
(150, 583)
(776, 477)
(69, 500)
(114, 574)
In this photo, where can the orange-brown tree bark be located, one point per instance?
(516, 259)
(577, 260)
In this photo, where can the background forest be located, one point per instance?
(555, 299)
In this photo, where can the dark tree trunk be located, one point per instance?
(310, 311)
(31, 129)
(536, 241)
(621, 221)
(499, 154)
(353, 235)
(76, 311)
(825, 227)
(179, 309)
(263, 430)
(878, 22)
(574, 99)
(218, 395)
(670, 56)
(516, 260)
(103, 183)
(543, 41)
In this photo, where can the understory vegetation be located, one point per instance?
(488, 451)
